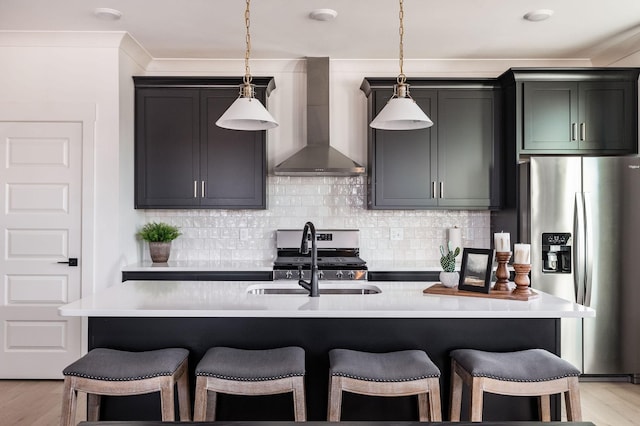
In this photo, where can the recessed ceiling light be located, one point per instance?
(107, 14)
(538, 15)
(323, 14)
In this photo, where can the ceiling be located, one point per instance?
(363, 29)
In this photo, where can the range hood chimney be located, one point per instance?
(318, 158)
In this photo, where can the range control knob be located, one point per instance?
(288, 275)
(339, 275)
(320, 274)
(352, 274)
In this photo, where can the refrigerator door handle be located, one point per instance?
(579, 248)
(588, 240)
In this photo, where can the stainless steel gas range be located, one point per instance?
(338, 255)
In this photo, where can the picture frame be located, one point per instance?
(475, 271)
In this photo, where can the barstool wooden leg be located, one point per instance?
(200, 405)
(299, 403)
(69, 398)
(335, 398)
(572, 400)
(183, 395)
(93, 407)
(476, 399)
(435, 409)
(545, 408)
(423, 407)
(167, 401)
(456, 393)
(212, 400)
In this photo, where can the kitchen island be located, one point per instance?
(144, 315)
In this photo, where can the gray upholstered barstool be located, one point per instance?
(532, 372)
(401, 373)
(249, 372)
(119, 373)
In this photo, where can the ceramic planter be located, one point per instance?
(449, 279)
(160, 251)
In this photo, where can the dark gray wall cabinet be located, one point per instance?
(451, 165)
(182, 159)
(573, 111)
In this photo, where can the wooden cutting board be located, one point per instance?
(440, 289)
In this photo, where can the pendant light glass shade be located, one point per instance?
(401, 112)
(247, 112)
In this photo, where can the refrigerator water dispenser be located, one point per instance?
(556, 252)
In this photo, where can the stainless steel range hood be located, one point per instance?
(318, 158)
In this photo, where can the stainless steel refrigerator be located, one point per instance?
(581, 216)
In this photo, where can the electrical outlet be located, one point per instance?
(397, 234)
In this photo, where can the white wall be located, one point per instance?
(79, 68)
(131, 62)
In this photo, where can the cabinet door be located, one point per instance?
(167, 145)
(405, 161)
(233, 163)
(550, 116)
(606, 116)
(465, 147)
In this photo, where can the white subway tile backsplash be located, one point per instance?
(329, 202)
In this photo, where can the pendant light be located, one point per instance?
(401, 112)
(246, 112)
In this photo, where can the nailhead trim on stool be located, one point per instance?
(400, 373)
(113, 372)
(532, 372)
(249, 372)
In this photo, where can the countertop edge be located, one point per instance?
(230, 299)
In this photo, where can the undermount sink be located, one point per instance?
(324, 288)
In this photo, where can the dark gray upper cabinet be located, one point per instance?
(451, 165)
(572, 111)
(182, 159)
(467, 134)
(405, 163)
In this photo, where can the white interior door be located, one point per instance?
(40, 224)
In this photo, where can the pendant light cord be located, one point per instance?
(247, 22)
(401, 77)
(247, 112)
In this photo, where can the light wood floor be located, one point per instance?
(37, 403)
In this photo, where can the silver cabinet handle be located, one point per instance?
(574, 131)
(433, 189)
(583, 131)
(441, 189)
(203, 191)
(195, 189)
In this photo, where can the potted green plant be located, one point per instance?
(449, 277)
(159, 236)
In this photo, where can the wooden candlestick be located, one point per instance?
(522, 279)
(502, 274)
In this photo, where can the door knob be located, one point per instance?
(73, 261)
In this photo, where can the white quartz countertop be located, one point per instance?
(231, 299)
